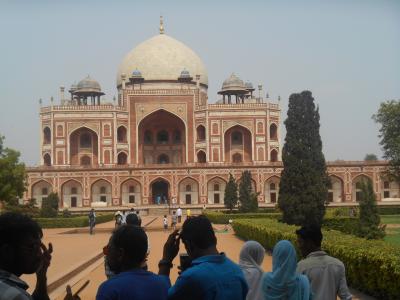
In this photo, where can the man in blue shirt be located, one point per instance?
(126, 256)
(211, 275)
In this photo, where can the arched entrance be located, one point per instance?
(71, 194)
(160, 192)
(40, 191)
(83, 146)
(238, 144)
(162, 139)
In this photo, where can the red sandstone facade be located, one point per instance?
(161, 140)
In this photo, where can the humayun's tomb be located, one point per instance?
(161, 139)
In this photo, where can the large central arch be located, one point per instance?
(238, 145)
(161, 134)
(160, 191)
(84, 147)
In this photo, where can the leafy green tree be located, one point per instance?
(50, 206)
(388, 117)
(12, 175)
(369, 226)
(247, 198)
(370, 157)
(230, 196)
(303, 189)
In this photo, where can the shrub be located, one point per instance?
(389, 210)
(372, 266)
(344, 224)
(50, 206)
(81, 221)
(66, 213)
(26, 209)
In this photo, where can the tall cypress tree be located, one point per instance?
(303, 189)
(230, 196)
(247, 198)
(369, 226)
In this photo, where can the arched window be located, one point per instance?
(201, 133)
(47, 160)
(272, 186)
(237, 158)
(216, 187)
(274, 155)
(46, 135)
(103, 190)
(237, 138)
(188, 188)
(122, 158)
(121, 134)
(85, 140)
(85, 160)
(74, 190)
(163, 159)
(273, 132)
(148, 137)
(162, 137)
(201, 157)
(177, 137)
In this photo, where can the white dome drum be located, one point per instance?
(162, 58)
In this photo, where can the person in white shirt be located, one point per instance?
(327, 274)
(165, 223)
(179, 214)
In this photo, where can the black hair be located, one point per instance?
(132, 219)
(15, 227)
(133, 240)
(198, 230)
(311, 233)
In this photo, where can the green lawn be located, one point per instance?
(390, 219)
(393, 236)
(392, 233)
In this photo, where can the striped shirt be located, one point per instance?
(12, 288)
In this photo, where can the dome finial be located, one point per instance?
(161, 25)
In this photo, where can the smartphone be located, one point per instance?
(185, 261)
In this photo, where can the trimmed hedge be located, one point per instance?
(371, 266)
(389, 210)
(223, 218)
(81, 221)
(344, 224)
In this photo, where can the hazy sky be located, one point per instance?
(346, 52)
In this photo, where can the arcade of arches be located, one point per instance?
(162, 139)
(187, 191)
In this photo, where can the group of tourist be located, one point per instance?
(126, 217)
(206, 274)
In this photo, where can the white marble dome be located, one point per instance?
(162, 58)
